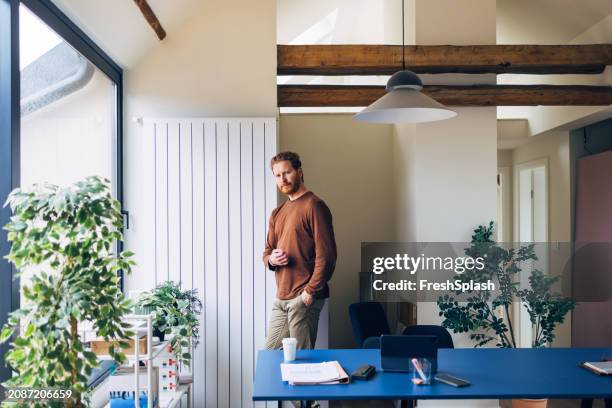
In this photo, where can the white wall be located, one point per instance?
(206, 69)
(220, 63)
(453, 163)
(348, 165)
(544, 118)
(340, 22)
(450, 187)
(210, 67)
(333, 21)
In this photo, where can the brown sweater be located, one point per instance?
(303, 229)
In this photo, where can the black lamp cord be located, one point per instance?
(403, 52)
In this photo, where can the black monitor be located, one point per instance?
(397, 351)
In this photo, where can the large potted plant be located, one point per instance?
(64, 238)
(486, 315)
(175, 313)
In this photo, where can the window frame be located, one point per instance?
(10, 119)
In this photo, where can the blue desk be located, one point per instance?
(493, 374)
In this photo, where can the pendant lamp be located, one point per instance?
(404, 102)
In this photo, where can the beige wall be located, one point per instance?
(465, 22)
(404, 179)
(207, 68)
(505, 204)
(348, 165)
(504, 158)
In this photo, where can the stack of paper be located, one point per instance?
(599, 367)
(330, 372)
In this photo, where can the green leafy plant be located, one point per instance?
(175, 313)
(487, 315)
(64, 238)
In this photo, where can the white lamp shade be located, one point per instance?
(404, 105)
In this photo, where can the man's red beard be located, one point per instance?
(290, 188)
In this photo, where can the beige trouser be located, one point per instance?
(291, 318)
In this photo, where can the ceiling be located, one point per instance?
(119, 28)
(547, 21)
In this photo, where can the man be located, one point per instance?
(301, 249)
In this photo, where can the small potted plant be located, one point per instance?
(175, 313)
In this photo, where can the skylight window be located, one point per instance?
(36, 37)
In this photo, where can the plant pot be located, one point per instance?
(529, 403)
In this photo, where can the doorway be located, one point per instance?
(531, 226)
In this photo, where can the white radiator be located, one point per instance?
(199, 198)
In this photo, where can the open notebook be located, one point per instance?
(329, 372)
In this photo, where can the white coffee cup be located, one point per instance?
(289, 347)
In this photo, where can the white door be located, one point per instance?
(533, 227)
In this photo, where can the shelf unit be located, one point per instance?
(142, 324)
(172, 399)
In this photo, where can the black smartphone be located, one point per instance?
(365, 372)
(450, 380)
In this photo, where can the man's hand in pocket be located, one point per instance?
(307, 299)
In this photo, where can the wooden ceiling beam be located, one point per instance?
(476, 95)
(438, 59)
(151, 18)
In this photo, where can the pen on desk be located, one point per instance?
(417, 367)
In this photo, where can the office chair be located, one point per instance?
(444, 338)
(369, 322)
(588, 403)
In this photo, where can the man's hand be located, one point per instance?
(278, 257)
(307, 299)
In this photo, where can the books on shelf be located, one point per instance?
(101, 347)
(329, 372)
(599, 367)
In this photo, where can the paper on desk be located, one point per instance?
(329, 372)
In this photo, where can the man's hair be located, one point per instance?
(294, 158)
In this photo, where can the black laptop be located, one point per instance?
(397, 351)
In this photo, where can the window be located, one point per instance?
(60, 113)
(67, 109)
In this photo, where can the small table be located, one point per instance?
(493, 374)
